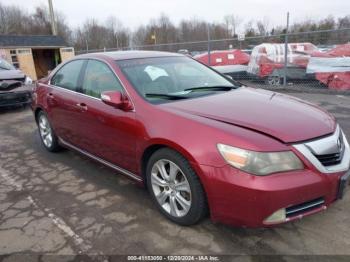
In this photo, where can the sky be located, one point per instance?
(133, 13)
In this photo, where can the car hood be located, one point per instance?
(285, 118)
(11, 74)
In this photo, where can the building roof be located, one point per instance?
(134, 54)
(31, 41)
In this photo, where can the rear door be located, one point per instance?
(105, 131)
(62, 100)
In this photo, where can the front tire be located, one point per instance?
(47, 135)
(175, 188)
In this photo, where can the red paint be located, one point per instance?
(246, 118)
(335, 80)
(224, 57)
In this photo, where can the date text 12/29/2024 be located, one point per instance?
(173, 258)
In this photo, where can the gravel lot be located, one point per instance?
(66, 204)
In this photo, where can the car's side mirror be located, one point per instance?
(117, 99)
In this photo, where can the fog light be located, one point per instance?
(277, 217)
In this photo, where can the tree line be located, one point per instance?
(111, 33)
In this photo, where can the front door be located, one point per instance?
(106, 132)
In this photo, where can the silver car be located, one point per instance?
(15, 89)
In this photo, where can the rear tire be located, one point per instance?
(175, 188)
(47, 134)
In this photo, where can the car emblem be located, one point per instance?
(339, 144)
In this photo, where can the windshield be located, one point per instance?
(4, 65)
(163, 79)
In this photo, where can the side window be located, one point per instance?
(99, 78)
(68, 76)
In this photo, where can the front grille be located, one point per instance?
(330, 154)
(304, 207)
(330, 159)
(335, 158)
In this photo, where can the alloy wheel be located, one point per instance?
(171, 188)
(274, 80)
(45, 131)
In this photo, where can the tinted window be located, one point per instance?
(99, 78)
(68, 75)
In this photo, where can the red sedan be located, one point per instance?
(197, 140)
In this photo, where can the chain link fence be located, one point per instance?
(316, 59)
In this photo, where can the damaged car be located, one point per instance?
(14, 93)
(15, 87)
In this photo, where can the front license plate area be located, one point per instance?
(343, 183)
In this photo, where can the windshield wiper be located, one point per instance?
(209, 88)
(166, 96)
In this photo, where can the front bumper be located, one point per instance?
(240, 199)
(15, 98)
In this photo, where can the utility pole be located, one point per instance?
(286, 52)
(52, 17)
(209, 58)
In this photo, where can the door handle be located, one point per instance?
(50, 95)
(82, 106)
(51, 99)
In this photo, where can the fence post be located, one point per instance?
(286, 52)
(87, 45)
(209, 44)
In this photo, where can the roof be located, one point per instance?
(31, 41)
(123, 55)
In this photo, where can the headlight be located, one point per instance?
(259, 163)
(28, 80)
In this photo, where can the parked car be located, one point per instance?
(231, 62)
(194, 138)
(13, 88)
(183, 51)
(224, 58)
(13, 93)
(267, 62)
(332, 68)
(9, 72)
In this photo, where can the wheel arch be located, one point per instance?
(36, 112)
(157, 144)
(150, 149)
